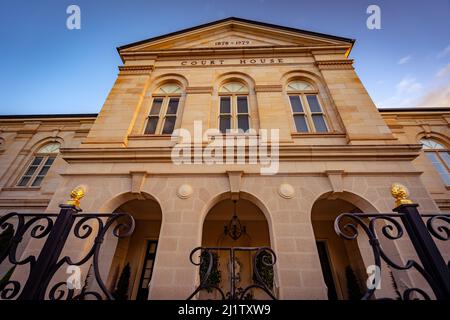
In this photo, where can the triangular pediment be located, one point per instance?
(235, 33)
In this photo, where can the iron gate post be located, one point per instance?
(427, 250)
(40, 273)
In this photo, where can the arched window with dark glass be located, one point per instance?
(234, 111)
(306, 108)
(39, 165)
(439, 156)
(164, 110)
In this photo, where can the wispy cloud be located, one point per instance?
(404, 59)
(436, 97)
(407, 90)
(408, 85)
(445, 71)
(444, 52)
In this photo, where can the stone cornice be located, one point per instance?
(146, 55)
(286, 153)
(335, 64)
(139, 69)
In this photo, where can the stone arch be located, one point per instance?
(358, 200)
(166, 78)
(136, 249)
(234, 76)
(439, 137)
(115, 201)
(244, 195)
(253, 214)
(341, 261)
(42, 142)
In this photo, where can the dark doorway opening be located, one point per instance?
(326, 269)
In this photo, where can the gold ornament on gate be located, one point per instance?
(401, 194)
(76, 195)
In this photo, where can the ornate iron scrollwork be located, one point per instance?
(348, 226)
(265, 255)
(439, 227)
(40, 226)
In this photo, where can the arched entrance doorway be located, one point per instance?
(221, 229)
(132, 264)
(342, 265)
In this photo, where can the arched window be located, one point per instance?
(164, 110)
(234, 108)
(306, 109)
(40, 165)
(439, 156)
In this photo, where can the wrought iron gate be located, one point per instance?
(262, 258)
(420, 229)
(57, 228)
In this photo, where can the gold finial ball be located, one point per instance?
(76, 195)
(400, 194)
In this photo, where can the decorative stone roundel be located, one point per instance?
(286, 191)
(184, 191)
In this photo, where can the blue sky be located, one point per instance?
(46, 68)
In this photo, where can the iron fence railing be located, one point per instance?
(57, 228)
(392, 226)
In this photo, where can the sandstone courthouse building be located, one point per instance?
(337, 153)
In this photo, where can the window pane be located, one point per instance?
(439, 166)
(234, 87)
(49, 161)
(431, 144)
(43, 171)
(313, 102)
(296, 104)
(30, 170)
(169, 124)
(319, 123)
(37, 181)
(156, 107)
(242, 105)
(225, 105)
(225, 123)
(446, 158)
(23, 182)
(243, 122)
(151, 125)
(50, 148)
(173, 106)
(300, 123)
(169, 88)
(299, 85)
(37, 161)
